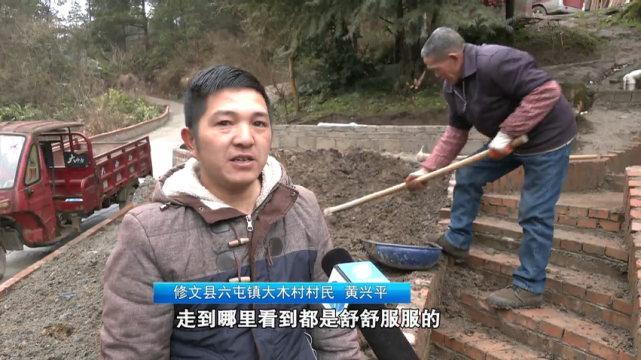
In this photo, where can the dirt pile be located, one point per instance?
(56, 312)
(337, 178)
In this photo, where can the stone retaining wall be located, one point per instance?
(620, 96)
(378, 138)
(394, 139)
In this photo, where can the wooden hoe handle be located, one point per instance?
(396, 188)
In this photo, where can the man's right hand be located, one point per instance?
(413, 185)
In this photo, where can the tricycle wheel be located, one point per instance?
(128, 195)
(3, 261)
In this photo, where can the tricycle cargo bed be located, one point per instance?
(50, 179)
(99, 149)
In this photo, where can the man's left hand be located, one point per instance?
(500, 146)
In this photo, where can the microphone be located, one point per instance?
(386, 343)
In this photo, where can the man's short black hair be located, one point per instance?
(211, 80)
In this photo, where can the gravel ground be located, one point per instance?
(55, 314)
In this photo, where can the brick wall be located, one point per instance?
(583, 175)
(426, 294)
(632, 229)
(586, 217)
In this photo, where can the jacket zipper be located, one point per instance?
(463, 98)
(250, 225)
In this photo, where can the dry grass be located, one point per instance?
(221, 49)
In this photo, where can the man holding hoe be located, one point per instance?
(500, 91)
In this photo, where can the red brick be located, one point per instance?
(555, 285)
(599, 213)
(571, 245)
(617, 254)
(603, 351)
(635, 202)
(526, 321)
(468, 299)
(493, 266)
(624, 356)
(511, 203)
(479, 350)
(502, 210)
(617, 319)
(566, 220)
(635, 214)
(563, 351)
(599, 299)
(634, 183)
(587, 223)
(622, 306)
(575, 339)
(635, 226)
(635, 192)
(454, 344)
(437, 336)
(577, 211)
(550, 329)
(561, 209)
(495, 201)
(483, 318)
(473, 353)
(594, 249)
(610, 225)
(574, 290)
(476, 261)
(616, 217)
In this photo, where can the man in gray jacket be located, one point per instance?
(229, 214)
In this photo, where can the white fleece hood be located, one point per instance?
(186, 181)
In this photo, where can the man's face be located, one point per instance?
(449, 69)
(233, 139)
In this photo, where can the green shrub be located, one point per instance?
(15, 112)
(122, 102)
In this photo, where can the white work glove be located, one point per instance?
(419, 172)
(500, 146)
(414, 185)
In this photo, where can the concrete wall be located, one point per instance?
(134, 131)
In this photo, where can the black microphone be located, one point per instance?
(386, 343)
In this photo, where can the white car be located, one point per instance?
(550, 7)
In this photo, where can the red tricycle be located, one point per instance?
(52, 177)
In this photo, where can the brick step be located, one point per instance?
(597, 296)
(573, 249)
(601, 210)
(459, 339)
(564, 334)
(575, 210)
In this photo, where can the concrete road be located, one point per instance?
(163, 140)
(20, 260)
